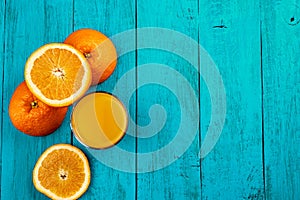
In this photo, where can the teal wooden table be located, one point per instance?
(170, 89)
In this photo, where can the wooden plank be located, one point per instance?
(2, 27)
(111, 18)
(28, 26)
(164, 83)
(230, 32)
(281, 67)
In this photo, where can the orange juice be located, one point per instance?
(99, 120)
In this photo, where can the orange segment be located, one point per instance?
(62, 172)
(57, 74)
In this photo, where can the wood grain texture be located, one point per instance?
(229, 31)
(28, 26)
(254, 43)
(281, 67)
(111, 18)
(2, 31)
(181, 179)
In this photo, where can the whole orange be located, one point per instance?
(99, 51)
(31, 116)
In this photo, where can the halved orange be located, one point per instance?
(62, 172)
(57, 74)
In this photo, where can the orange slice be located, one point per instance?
(57, 74)
(62, 172)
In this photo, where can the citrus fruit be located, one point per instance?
(57, 74)
(99, 51)
(31, 116)
(62, 172)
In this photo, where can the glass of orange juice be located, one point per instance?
(99, 120)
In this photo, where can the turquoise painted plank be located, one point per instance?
(281, 67)
(2, 25)
(112, 18)
(168, 91)
(27, 27)
(230, 32)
